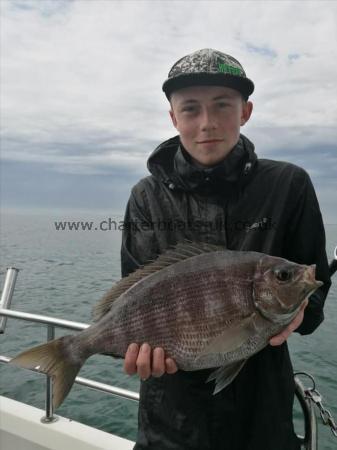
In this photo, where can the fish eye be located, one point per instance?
(283, 274)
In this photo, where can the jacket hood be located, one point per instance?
(171, 164)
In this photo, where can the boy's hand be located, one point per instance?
(146, 363)
(283, 336)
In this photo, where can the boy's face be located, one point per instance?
(208, 119)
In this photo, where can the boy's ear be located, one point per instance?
(173, 118)
(247, 109)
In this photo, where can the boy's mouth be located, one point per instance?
(209, 141)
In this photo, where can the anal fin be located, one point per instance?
(223, 376)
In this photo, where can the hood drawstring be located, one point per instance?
(247, 168)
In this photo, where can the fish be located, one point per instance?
(206, 306)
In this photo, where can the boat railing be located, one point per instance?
(52, 323)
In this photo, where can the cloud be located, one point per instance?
(81, 81)
(264, 51)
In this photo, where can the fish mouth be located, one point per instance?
(310, 277)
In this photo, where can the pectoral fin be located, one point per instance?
(233, 337)
(223, 376)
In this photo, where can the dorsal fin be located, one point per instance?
(183, 250)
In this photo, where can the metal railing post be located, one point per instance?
(7, 294)
(49, 417)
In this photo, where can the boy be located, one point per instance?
(207, 184)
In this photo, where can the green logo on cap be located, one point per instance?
(226, 68)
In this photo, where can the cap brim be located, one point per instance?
(244, 85)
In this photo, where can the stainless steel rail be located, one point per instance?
(51, 323)
(96, 385)
(309, 440)
(47, 320)
(7, 293)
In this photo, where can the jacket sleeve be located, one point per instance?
(138, 238)
(305, 244)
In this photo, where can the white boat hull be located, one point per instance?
(21, 429)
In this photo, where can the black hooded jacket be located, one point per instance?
(244, 203)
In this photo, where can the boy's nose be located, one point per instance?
(208, 121)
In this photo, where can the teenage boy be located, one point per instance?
(207, 184)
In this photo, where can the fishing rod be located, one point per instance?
(333, 263)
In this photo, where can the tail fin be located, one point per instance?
(55, 360)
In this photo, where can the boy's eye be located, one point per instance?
(193, 109)
(189, 108)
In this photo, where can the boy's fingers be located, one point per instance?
(171, 366)
(296, 322)
(280, 338)
(158, 363)
(144, 361)
(130, 359)
(139, 360)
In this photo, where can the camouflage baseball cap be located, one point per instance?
(208, 67)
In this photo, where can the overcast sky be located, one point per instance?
(81, 100)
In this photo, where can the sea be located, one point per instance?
(63, 273)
